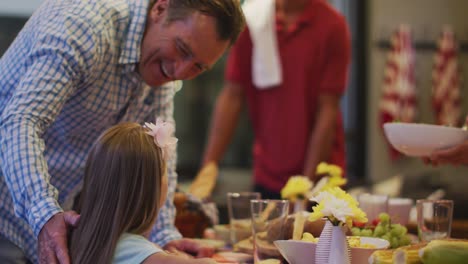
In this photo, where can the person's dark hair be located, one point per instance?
(230, 21)
(121, 192)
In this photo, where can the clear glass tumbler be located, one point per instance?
(434, 219)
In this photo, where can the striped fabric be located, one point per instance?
(446, 99)
(68, 76)
(398, 101)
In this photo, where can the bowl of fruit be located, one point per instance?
(382, 227)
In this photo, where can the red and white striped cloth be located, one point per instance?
(398, 101)
(446, 97)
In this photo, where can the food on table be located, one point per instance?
(190, 219)
(270, 261)
(245, 246)
(315, 227)
(382, 227)
(403, 255)
(232, 257)
(384, 256)
(266, 247)
(408, 254)
(355, 242)
(445, 251)
(308, 237)
(272, 232)
(242, 228)
(298, 225)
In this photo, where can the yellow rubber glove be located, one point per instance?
(205, 181)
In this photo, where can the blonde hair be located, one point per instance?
(121, 192)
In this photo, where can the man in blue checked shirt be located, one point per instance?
(77, 68)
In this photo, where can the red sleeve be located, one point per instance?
(337, 59)
(238, 65)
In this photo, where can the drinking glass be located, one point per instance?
(399, 210)
(434, 219)
(373, 204)
(268, 224)
(240, 220)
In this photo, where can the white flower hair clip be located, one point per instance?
(162, 132)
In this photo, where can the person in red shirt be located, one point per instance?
(297, 124)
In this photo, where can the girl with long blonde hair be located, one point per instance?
(125, 185)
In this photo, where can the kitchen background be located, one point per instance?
(371, 23)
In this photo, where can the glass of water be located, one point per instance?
(240, 219)
(434, 219)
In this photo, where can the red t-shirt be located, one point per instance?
(315, 55)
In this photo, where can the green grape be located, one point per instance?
(405, 240)
(366, 232)
(379, 231)
(386, 237)
(394, 242)
(384, 218)
(397, 230)
(356, 231)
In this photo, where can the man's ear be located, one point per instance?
(159, 9)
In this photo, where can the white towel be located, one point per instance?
(266, 65)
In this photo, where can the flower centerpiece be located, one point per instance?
(341, 210)
(296, 188)
(330, 176)
(300, 187)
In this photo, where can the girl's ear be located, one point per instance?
(159, 9)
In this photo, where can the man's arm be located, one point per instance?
(52, 73)
(223, 124)
(55, 64)
(323, 135)
(225, 117)
(332, 85)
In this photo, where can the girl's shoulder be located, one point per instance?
(133, 248)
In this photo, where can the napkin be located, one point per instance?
(266, 65)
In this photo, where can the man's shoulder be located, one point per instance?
(326, 12)
(93, 12)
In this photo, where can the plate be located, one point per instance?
(229, 257)
(302, 252)
(420, 140)
(217, 244)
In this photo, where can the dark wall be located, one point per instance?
(9, 28)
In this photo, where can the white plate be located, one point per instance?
(301, 252)
(419, 140)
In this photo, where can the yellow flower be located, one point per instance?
(338, 207)
(297, 186)
(334, 182)
(330, 169)
(334, 176)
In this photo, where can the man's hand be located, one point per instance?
(52, 240)
(457, 155)
(189, 247)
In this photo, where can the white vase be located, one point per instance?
(332, 247)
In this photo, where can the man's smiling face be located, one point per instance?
(179, 50)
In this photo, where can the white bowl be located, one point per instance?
(301, 252)
(419, 140)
